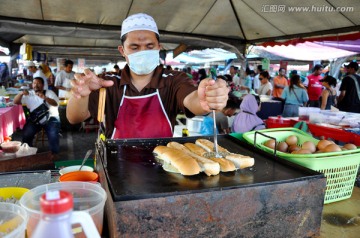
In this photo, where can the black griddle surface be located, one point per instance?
(133, 173)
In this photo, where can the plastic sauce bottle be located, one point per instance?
(57, 216)
(185, 132)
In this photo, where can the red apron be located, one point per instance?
(142, 117)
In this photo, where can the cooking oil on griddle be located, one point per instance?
(138, 154)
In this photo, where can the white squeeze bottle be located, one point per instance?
(57, 216)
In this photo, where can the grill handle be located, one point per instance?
(270, 137)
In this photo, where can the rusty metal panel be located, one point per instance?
(276, 210)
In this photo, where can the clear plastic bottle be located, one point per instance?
(57, 216)
(2, 91)
(56, 209)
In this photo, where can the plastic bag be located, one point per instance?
(207, 127)
(26, 150)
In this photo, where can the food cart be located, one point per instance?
(270, 199)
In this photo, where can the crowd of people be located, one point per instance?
(316, 90)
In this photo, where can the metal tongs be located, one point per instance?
(216, 149)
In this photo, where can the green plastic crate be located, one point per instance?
(238, 136)
(340, 173)
(339, 168)
(280, 134)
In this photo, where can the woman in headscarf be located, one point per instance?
(247, 120)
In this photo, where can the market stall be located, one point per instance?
(270, 108)
(11, 118)
(341, 127)
(338, 134)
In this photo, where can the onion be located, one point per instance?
(332, 148)
(291, 140)
(308, 145)
(350, 146)
(270, 143)
(322, 144)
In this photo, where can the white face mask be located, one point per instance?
(144, 62)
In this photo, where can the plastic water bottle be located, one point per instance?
(57, 216)
(2, 91)
(2, 102)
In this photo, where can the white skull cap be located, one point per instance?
(29, 64)
(139, 21)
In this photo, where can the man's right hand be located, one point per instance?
(84, 83)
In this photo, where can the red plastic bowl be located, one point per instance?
(279, 122)
(11, 146)
(84, 176)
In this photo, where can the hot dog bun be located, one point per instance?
(240, 161)
(166, 166)
(174, 160)
(195, 149)
(209, 146)
(209, 167)
(225, 165)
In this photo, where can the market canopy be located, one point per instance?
(200, 56)
(90, 28)
(307, 51)
(349, 45)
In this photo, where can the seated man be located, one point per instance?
(43, 107)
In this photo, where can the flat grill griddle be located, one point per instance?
(133, 173)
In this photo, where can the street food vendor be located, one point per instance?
(143, 102)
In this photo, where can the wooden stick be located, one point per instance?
(101, 107)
